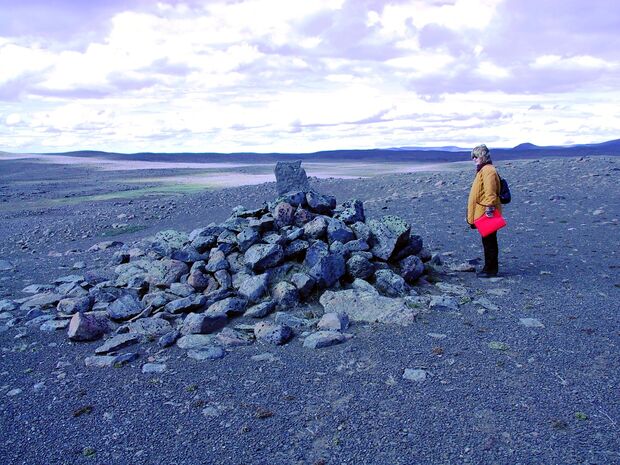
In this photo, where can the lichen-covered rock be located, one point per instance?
(302, 217)
(388, 235)
(389, 283)
(351, 211)
(247, 238)
(317, 228)
(319, 203)
(360, 267)
(217, 261)
(150, 327)
(260, 257)
(296, 249)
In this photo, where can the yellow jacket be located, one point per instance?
(484, 193)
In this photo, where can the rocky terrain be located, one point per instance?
(522, 368)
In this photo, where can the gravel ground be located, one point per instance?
(496, 392)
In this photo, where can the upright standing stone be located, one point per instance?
(290, 176)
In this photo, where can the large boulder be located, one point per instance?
(259, 257)
(253, 288)
(338, 231)
(351, 212)
(290, 176)
(368, 307)
(389, 235)
(316, 228)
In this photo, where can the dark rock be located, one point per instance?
(125, 307)
(168, 339)
(326, 268)
(283, 214)
(216, 296)
(425, 255)
(291, 177)
(362, 232)
(296, 249)
(181, 290)
(411, 268)
(302, 216)
(360, 267)
(413, 247)
(187, 254)
(338, 231)
(246, 238)
(198, 280)
(318, 203)
(296, 199)
(259, 257)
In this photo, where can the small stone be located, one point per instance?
(304, 284)
(118, 342)
(106, 361)
(285, 294)
(195, 341)
(443, 303)
(416, 375)
(531, 323)
(322, 339)
(74, 305)
(411, 268)
(260, 310)
(334, 322)
(206, 353)
(496, 345)
(14, 392)
(54, 325)
(153, 368)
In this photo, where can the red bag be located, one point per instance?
(486, 225)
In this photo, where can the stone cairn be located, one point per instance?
(303, 265)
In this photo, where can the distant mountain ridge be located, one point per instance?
(525, 150)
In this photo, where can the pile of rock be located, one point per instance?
(304, 264)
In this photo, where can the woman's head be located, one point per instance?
(481, 154)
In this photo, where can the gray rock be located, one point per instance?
(334, 322)
(368, 307)
(291, 177)
(247, 238)
(47, 299)
(7, 305)
(260, 310)
(203, 323)
(86, 327)
(168, 339)
(38, 321)
(186, 304)
(304, 284)
(182, 290)
(362, 231)
(150, 328)
(272, 333)
(217, 261)
(318, 203)
(259, 257)
(74, 305)
(54, 325)
(107, 361)
(195, 341)
(389, 235)
(443, 303)
(118, 342)
(187, 254)
(285, 294)
(295, 198)
(206, 353)
(125, 307)
(230, 306)
(411, 268)
(364, 286)
(302, 217)
(355, 246)
(216, 296)
(38, 288)
(165, 272)
(351, 211)
(152, 368)
(232, 338)
(6, 265)
(223, 278)
(296, 249)
(531, 323)
(317, 228)
(322, 339)
(253, 288)
(292, 321)
(104, 245)
(360, 267)
(338, 231)
(389, 283)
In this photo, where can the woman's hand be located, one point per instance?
(489, 212)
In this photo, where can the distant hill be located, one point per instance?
(401, 154)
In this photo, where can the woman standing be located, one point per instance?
(483, 200)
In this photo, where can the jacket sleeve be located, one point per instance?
(490, 188)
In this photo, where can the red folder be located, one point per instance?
(486, 225)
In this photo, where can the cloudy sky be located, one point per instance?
(306, 75)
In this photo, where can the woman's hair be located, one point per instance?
(481, 152)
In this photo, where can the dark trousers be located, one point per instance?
(491, 251)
